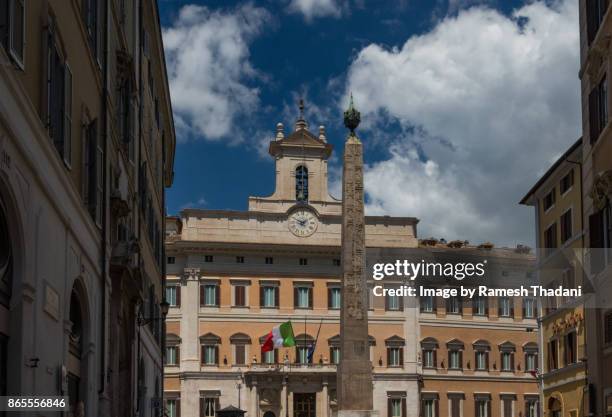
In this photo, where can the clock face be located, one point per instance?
(303, 223)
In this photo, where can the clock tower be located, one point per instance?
(301, 177)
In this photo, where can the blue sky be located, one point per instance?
(464, 103)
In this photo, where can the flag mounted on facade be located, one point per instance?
(280, 336)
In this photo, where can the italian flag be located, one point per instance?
(280, 336)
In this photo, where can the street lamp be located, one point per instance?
(239, 385)
(164, 306)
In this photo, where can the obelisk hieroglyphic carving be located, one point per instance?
(355, 370)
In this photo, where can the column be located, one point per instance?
(190, 324)
(254, 408)
(283, 400)
(324, 400)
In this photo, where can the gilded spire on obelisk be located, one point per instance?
(352, 117)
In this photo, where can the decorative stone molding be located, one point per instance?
(601, 192)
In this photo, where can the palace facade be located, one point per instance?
(234, 275)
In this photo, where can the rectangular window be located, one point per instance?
(90, 17)
(209, 355)
(239, 295)
(507, 403)
(506, 307)
(529, 308)
(429, 408)
(92, 171)
(549, 199)
(454, 359)
(395, 405)
(269, 260)
(550, 238)
(12, 29)
(598, 109)
(239, 354)
(566, 182)
(481, 361)
(173, 295)
(454, 305)
(239, 259)
(208, 407)
(334, 355)
(395, 356)
(333, 294)
(172, 355)
(595, 9)
(506, 361)
(531, 408)
(479, 306)
(531, 362)
(553, 358)
(208, 258)
(303, 297)
(566, 226)
(608, 328)
(209, 295)
(427, 304)
(455, 407)
(303, 261)
(302, 355)
(171, 260)
(429, 358)
(269, 357)
(570, 348)
(336, 262)
(393, 303)
(173, 407)
(269, 296)
(482, 408)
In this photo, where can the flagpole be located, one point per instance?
(305, 339)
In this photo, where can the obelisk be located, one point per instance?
(354, 384)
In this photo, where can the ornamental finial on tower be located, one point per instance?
(352, 117)
(301, 123)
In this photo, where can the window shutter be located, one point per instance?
(400, 303)
(511, 301)
(295, 297)
(68, 115)
(596, 241)
(401, 356)
(92, 133)
(202, 295)
(594, 115)
(386, 303)
(435, 358)
(388, 357)
(436, 408)
(487, 360)
(178, 407)
(178, 295)
(261, 296)
(178, 355)
(216, 354)
(202, 356)
(217, 295)
(275, 355)
(329, 298)
(512, 361)
(389, 407)
(460, 359)
(276, 296)
(404, 414)
(240, 354)
(309, 297)
(523, 311)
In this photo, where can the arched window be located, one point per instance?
(554, 407)
(301, 183)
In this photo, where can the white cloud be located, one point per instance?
(209, 69)
(199, 203)
(486, 100)
(311, 9)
